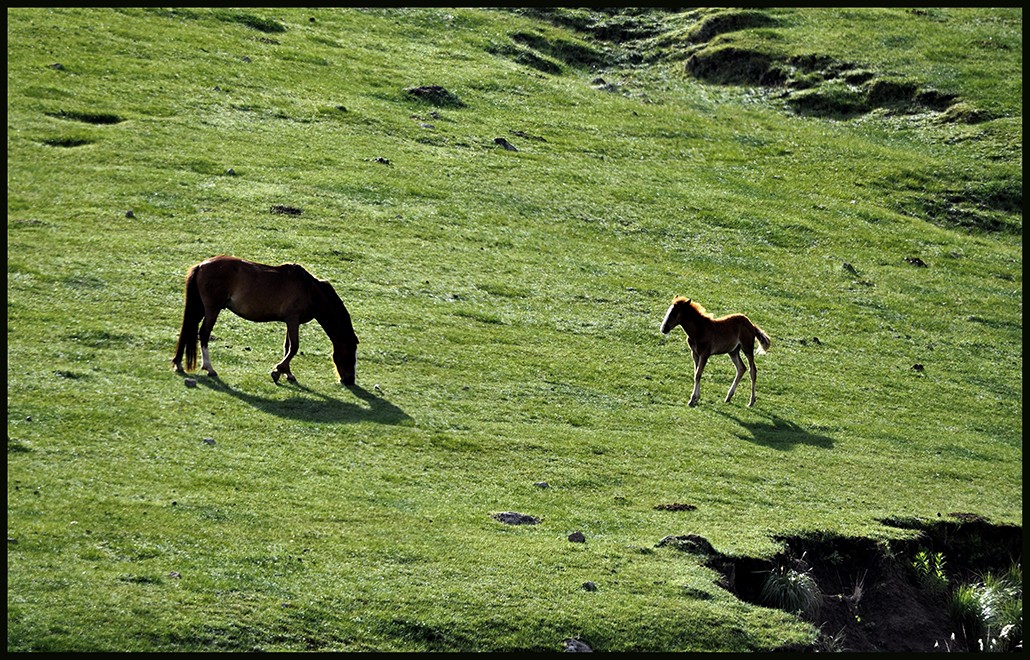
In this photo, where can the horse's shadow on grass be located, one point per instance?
(778, 433)
(316, 406)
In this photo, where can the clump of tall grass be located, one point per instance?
(792, 589)
(990, 612)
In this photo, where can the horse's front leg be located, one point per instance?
(289, 350)
(699, 366)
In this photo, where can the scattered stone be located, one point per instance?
(541, 484)
(230, 172)
(504, 143)
(286, 210)
(381, 160)
(577, 537)
(917, 367)
(190, 382)
(513, 518)
(174, 575)
(57, 66)
(916, 261)
(209, 441)
(848, 267)
(573, 645)
(129, 214)
(589, 586)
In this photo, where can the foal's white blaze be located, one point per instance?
(665, 321)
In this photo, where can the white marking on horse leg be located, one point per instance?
(206, 361)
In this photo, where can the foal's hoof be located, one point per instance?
(692, 403)
(275, 377)
(291, 378)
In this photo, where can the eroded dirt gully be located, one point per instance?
(872, 599)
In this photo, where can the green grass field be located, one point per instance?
(865, 210)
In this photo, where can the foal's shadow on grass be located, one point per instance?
(316, 406)
(778, 433)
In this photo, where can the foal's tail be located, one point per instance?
(763, 339)
(192, 314)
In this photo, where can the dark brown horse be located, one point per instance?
(261, 293)
(707, 336)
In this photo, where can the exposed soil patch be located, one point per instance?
(871, 596)
(98, 118)
(435, 95)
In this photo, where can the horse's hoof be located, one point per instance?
(692, 404)
(291, 378)
(275, 377)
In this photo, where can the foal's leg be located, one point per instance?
(289, 350)
(739, 364)
(754, 372)
(210, 316)
(699, 366)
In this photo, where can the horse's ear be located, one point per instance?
(688, 301)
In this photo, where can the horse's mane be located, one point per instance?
(697, 308)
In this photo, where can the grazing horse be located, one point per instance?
(261, 293)
(707, 336)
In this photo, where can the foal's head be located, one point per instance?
(680, 310)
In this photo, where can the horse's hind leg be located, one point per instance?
(739, 364)
(754, 373)
(210, 316)
(289, 350)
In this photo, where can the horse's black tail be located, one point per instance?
(763, 339)
(192, 315)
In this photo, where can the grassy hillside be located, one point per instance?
(849, 179)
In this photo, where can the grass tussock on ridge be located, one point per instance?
(507, 302)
